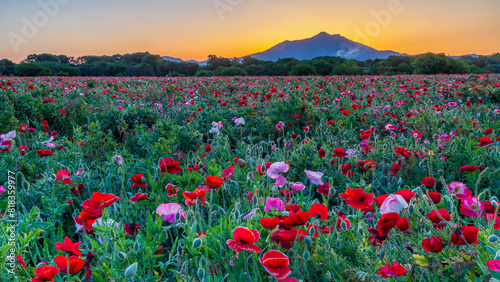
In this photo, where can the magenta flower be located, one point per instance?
(297, 186)
(280, 125)
(2, 189)
(169, 212)
(459, 190)
(274, 203)
(471, 207)
(281, 181)
(276, 168)
(314, 176)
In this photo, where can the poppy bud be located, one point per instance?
(497, 256)
(137, 247)
(481, 196)
(122, 255)
(493, 238)
(305, 255)
(312, 231)
(131, 271)
(327, 246)
(201, 274)
(333, 191)
(343, 225)
(237, 214)
(308, 241)
(222, 212)
(196, 243)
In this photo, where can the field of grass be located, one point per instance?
(338, 178)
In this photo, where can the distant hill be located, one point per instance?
(177, 60)
(323, 44)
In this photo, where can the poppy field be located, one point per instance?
(334, 178)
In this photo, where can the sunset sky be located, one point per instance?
(193, 29)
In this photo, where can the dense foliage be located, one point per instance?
(145, 64)
(332, 178)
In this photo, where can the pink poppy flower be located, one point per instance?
(393, 203)
(471, 207)
(281, 181)
(459, 190)
(274, 203)
(169, 212)
(297, 187)
(394, 270)
(314, 176)
(276, 168)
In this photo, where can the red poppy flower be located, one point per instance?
(428, 182)
(295, 219)
(131, 229)
(403, 224)
(394, 270)
(45, 273)
(319, 211)
(64, 176)
(21, 261)
(208, 148)
(488, 131)
(357, 198)
(406, 194)
(395, 168)
(386, 222)
(436, 218)
(293, 207)
(435, 197)
(346, 170)
(484, 141)
(70, 247)
(75, 264)
(138, 180)
(469, 233)
(169, 166)
(285, 237)
(467, 168)
(228, 172)
(192, 197)
(138, 197)
(172, 190)
(367, 164)
(214, 182)
(324, 189)
(244, 239)
(44, 153)
(380, 199)
(269, 223)
(276, 263)
(100, 200)
(89, 257)
(498, 138)
(90, 214)
(341, 217)
(78, 189)
(433, 245)
(339, 152)
(63, 111)
(321, 153)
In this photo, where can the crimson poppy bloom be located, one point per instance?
(436, 218)
(433, 245)
(100, 200)
(324, 189)
(435, 197)
(138, 180)
(341, 217)
(286, 236)
(276, 263)
(469, 233)
(357, 198)
(367, 164)
(192, 197)
(75, 264)
(395, 168)
(208, 148)
(488, 131)
(321, 153)
(339, 152)
(395, 270)
(380, 199)
(403, 224)
(484, 141)
(70, 247)
(244, 239)
(63, 111)
(45, 273)
(78, 189)
(214, 182)
(169, 166)
(138, 197)
(467, 168)
(346, 170)
(295, 219)
(428, 182)
(44, 153)
(406, 194)
(269, 223)
(319, 211)
(131, 229)
(20, 260)
(90, 214)
(386, 222)
(172, 190)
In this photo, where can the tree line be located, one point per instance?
(146, 64)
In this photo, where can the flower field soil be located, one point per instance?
(338, 178)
